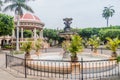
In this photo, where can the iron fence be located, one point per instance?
(64, 70)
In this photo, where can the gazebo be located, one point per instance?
(27, 21)
(30, 22)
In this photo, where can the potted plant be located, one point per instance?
(94, 41)
(27, 46)
(75, 47)
(65, 46)
(113, 44)
(38, 46)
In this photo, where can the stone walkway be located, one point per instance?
(6, 74)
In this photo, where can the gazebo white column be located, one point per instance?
(7, 41)
(34, 33)
(22, 34)
(41, 34)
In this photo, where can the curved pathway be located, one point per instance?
(6, 74)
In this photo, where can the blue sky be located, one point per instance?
(85, 13)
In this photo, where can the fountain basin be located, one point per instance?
(54, 63)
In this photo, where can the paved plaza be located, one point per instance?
(8, 74)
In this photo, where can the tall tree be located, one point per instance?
(17, 6)
(6, 25)
(107, 13)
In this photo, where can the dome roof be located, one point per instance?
(29, 21)
(29, 17)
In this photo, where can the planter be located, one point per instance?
(75, 67)
(114, 54)
(27, 55)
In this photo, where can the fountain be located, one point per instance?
(54, 61)
(67, 34)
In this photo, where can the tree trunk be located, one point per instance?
(17, 37)
(114, 54)
(27, 55)
(95, 51)
(107, 22)
(74, 58)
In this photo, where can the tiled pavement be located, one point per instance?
(6, 74)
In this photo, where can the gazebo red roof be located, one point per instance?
(29, 17)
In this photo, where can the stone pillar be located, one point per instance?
(41, 34)
(34, 33)
(7, 41)
(13, 33)
(22, 34)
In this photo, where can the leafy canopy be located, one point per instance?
(113, 44)
(108, 12)
(6, 25)
(65, 45)
(18, 6)
(75, 45)
(38, 44)
(94, 41)
(27, 46)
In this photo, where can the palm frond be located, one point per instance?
(18, 6)
(26, 7)
(10, 7)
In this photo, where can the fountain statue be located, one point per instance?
(67, 24)
(67, 34)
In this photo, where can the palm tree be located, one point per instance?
(94, 41)
(113, 45)
(107, 13)
(17, 6)
(37, 46)
(75, 47)
(27, 46)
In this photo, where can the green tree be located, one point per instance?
(27, 34)
(75, 46)
(112, 33)
(17, 6)
(113, 44)
(107, 13)
(6, 25)
(51, 34)
(37, 46)
(88, 32)
(27, 46)
(94, 41)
